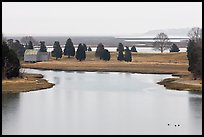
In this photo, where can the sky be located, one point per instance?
(97, 18)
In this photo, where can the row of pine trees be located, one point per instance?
(100, 53)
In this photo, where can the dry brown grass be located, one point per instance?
(155, 63)
(29, 82)
(142, 63)
(182, 84)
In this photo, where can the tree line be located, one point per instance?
(101, 52)
(13, 51)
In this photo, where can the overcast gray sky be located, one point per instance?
(97, 18)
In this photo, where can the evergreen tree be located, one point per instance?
(194, 52)
(85, 47)
(174, 48)
(99, 50)
(105, 55)
(13, 65)
(89, 49)
(120, 47)
(120, 56)
(10, 62)
(30, 45)
(10, 43)
(133, 49)
(80, 53)
(43, 48)
(17, 47)
(128, 55)
(57, 52)
(69, 49)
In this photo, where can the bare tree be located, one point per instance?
(26, 39)
(196, 35)
(194, 52)
(161, 42)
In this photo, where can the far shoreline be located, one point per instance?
(175, 64)
(94, 70)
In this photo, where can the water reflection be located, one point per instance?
(102, 103)
(56, 80)
(10, 107)
(195, 104)
(10, 103)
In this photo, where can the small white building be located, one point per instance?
(33, 55)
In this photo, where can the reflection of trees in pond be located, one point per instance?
(195, 104)
(56, 80)
(10, 107)
(10, 102)
(195, 113)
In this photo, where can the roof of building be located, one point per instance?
(31, 52)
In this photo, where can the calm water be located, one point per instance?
(102, 103)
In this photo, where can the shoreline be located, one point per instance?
(28, 82)
(96, 70)
(169, 83)
(175, 64)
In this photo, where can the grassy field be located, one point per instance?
(28, 82)
(142, 63)
(152, 63)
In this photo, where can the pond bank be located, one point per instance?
(28, 82)
(145, 63)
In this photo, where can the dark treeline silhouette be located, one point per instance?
(85, 47)
(99, 50)
(43, 47)
(89, 49)
(57, 50)
(102, 53)
(128, 55)
(120, 56)
(17, 47)
(10, 62)
(194, 52)
(133, 49)
(69, 49)
(174, 48)
(120, 47)
(30, 45)
(81, 53)
(105, 55)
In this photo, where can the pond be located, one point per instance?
(102, 103)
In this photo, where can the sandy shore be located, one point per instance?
(151, 63)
